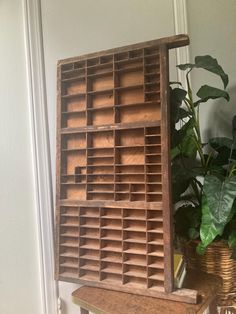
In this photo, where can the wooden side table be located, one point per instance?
(102, 301)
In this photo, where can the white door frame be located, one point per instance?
(36, 84)
(37, 97)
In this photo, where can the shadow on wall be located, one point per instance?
(220, 116)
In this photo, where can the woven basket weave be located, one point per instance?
(216, 261)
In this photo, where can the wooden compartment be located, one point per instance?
(113, 169)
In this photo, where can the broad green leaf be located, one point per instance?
(217, 205)
(208, 63)
(207, 92)
(221, 142)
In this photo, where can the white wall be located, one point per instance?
(76, 27)
(212, 30)
(19, 270)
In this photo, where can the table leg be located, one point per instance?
(213, 307)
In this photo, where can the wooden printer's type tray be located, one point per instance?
(113, 170)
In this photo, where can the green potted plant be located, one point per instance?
(204, 179)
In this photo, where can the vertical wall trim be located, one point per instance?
(181, 27)
(36, 86)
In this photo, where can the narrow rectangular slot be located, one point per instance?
(69, 242)
(155, 215)
(100, 196)
(138, 188)
(69, 262)
(111, 224)
(106, 59)
(154, 130)
(110, 245)
(135, 271)
(91, 212)
(152, 59)
(100, 152)
(155, 274)
(135, 248)
(153, 139)
(135, 259)
(89, 222)
(100, 69)
(154, 188)
(101, 100)
(69, 221)
(131, 78)
(69, 211)
(73, 74)
(152, 68)
(122, 196)
(114, 257)
(138, 196)
(67, 67)
(89, 275)
(122, 187)
(135, 214)
(104, 117)
(69, 252)
(93, 62)
(90, 233)
(121, 56)
(155, 238)
(130, 168)
(154, 198)
(131, 96)
(152, 78)
(129, 64)
(134, 281)
(111, 268)
(152, 87)
(103, 160)
(154, 169)
(111, 212)
(130, 178)
(69, 272)
(115, 235)
(136, 53)
(156, 149)
(79, 65)
(111, 278)
(152, 284)
(155, 250)
(148, 112)
(136, 237)
(154, 178)
(100, 188)
(92, 244)
(89, 254)
(135, 225)
(153, 159)
(155, 226)
(156, 262)
(88, 264)
(102, 139)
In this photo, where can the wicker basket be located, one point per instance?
(216, 261)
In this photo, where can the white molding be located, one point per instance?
(40, 151)
(181, 27)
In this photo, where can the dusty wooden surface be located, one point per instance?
(101, 301)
